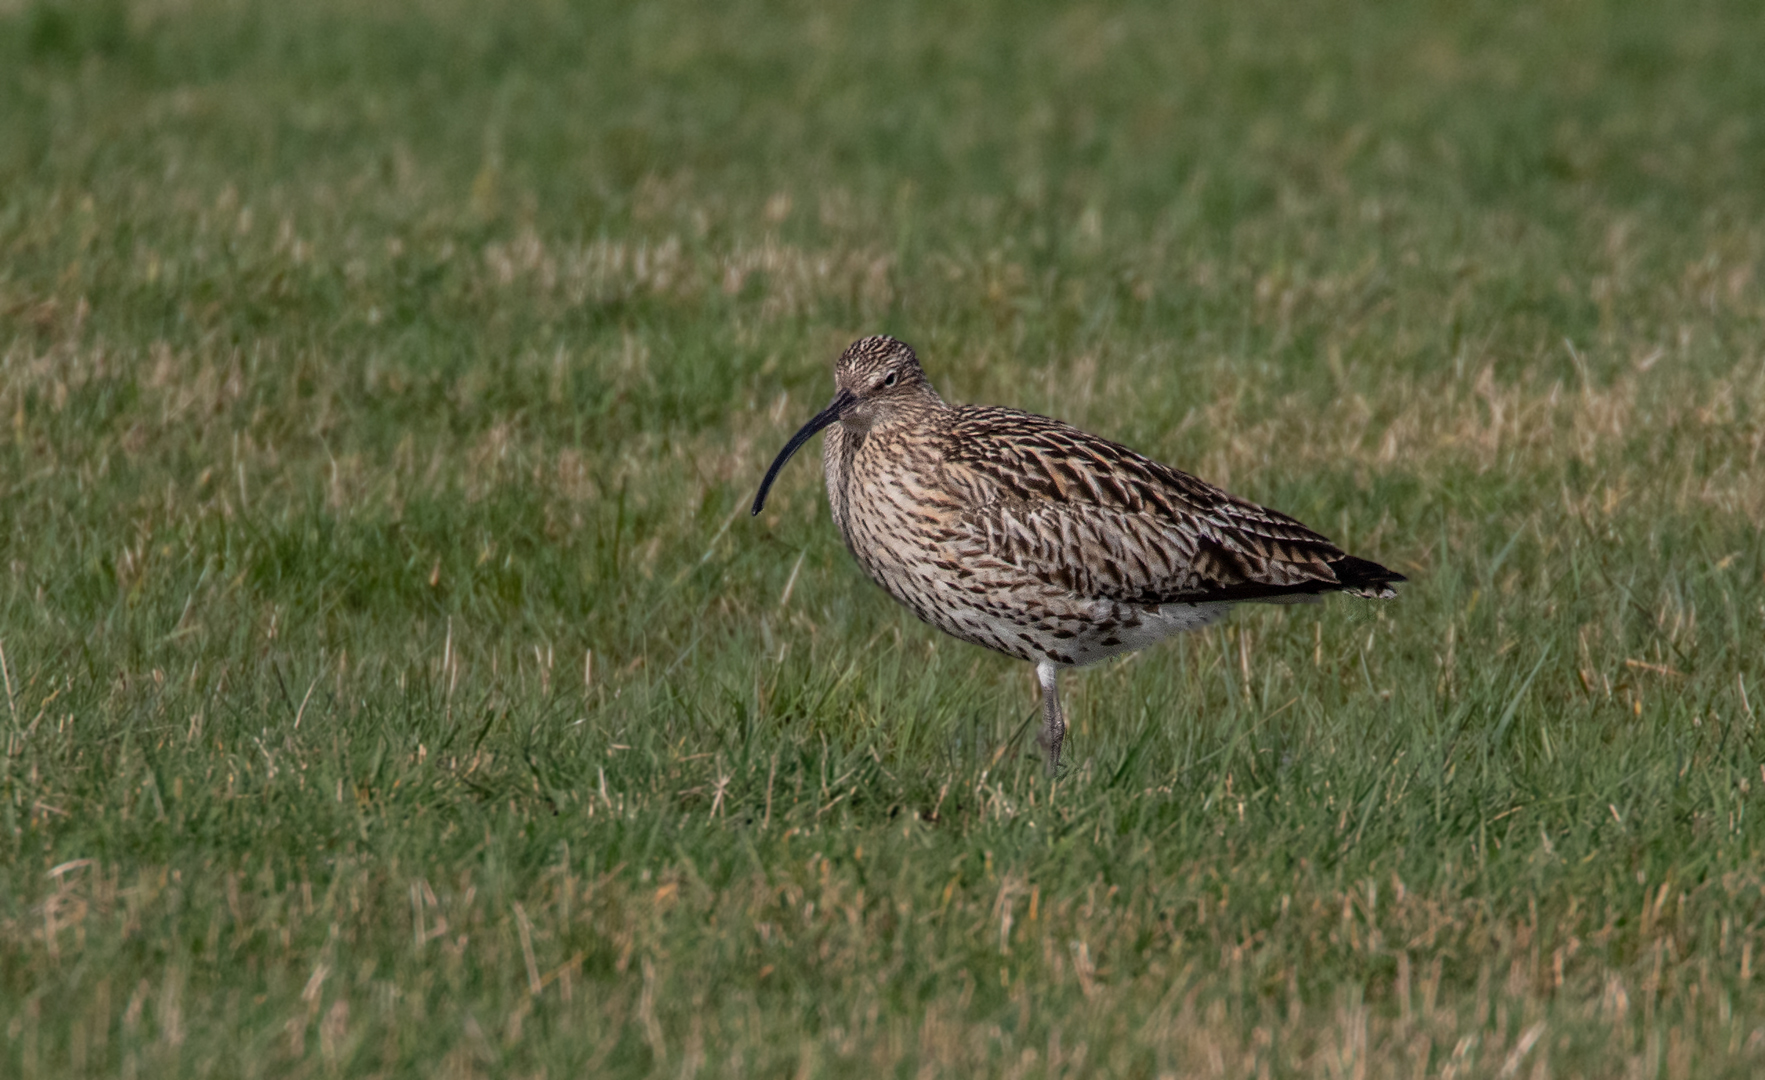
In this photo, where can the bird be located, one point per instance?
(1033, 538)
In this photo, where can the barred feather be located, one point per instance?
(1028, 536)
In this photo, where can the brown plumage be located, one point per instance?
(1041, 541)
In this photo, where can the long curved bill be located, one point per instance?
(841, 402)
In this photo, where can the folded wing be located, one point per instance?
(1098, 520)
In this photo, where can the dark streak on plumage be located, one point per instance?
(1032, 537)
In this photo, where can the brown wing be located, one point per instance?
(1097, 519)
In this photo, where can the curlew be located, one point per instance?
(1030, 537)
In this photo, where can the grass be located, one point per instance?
(394, 684)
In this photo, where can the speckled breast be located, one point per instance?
(909, 533)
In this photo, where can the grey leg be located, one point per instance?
(1053, 719)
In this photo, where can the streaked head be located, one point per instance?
(874, 377)
(878, 368)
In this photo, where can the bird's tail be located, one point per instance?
(1363, 577)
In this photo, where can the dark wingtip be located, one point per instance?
(1357, 573)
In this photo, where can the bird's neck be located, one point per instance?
(839, 447)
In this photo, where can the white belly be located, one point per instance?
(1081, 632)
(1168, 619)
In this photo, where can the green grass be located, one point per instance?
(396, 685)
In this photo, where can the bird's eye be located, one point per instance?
(889, 380)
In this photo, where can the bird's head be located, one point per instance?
(875, 379)
(880, 375)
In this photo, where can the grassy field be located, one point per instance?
(395, 684)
